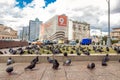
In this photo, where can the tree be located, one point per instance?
(36, 39)
(77, 41)
(104, 38)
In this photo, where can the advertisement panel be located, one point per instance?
(62, 20)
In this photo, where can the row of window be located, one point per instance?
(7, 37)
(79, 28)
(116, 33)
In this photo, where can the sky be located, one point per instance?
(17, 13)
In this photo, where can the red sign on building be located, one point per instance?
(62, 20)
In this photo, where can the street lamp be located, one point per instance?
(108, 38)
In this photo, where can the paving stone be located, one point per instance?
(76, 71)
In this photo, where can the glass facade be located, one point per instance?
(34, 29)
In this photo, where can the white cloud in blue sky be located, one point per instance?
(17, 13)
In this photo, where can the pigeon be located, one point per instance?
(31, 66)
(71, 52)
(29, 52)
(67, 62)
(37, 52)
(5, 52)
(104, 63)
(88, 49)
(94, 48)
(100, 50)
(20, 51)
(1, 52)
(106, 58)
(115, 48)
(118, 50)
(78, 53)
(10, 61)
(35, 60)
(91, 66)
(9, 70)
(65, 54)
(49, 60)
(87, 53)
(10, 50)
(55, 64)
(107, 49)
(14, 52)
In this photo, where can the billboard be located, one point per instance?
(62, 20)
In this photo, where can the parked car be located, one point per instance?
(86, 41)
(47, 42)
(72, 43)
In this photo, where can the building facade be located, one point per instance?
(115, 34)
(55, 28)
(20, 36)
(34, 29)
(78, 30)
(60, 27)
(25, 33)
(7, 33)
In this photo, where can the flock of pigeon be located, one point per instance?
(56, 50)
(54, 62)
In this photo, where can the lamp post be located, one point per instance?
(108, 38)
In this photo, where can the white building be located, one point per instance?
(78, 30)
(60, 27)
(55, 28)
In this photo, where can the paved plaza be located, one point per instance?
(76, 71)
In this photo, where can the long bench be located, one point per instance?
(61, 58)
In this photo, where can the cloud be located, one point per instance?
(98, 32)
(116, 7)
(93, 12)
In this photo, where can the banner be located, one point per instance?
(62, 20)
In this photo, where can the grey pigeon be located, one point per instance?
(9, 70)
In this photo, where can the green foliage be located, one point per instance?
(77, 41)
(114, 41)
(104, 38)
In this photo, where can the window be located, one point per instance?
(74, 27)
(84, 28)
(79, 27)
(88, 28)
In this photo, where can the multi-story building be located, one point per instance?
(25, 33)
(115, 34)
(78, 30)
(20, 35)
(60, 27)
(55, 28)
(7, 33)
(34, 29)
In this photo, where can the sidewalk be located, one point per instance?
(77, 71)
